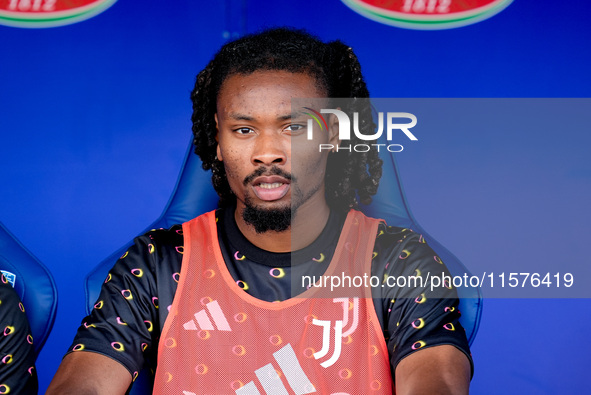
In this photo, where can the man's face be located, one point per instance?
(270, 165)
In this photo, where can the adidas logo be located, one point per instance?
(202, 320)
(271, 382)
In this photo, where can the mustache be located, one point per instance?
(265, 171)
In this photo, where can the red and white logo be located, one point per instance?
(428, 14)
(49, 13)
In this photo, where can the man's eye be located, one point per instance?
(295, 127)
(244, 130)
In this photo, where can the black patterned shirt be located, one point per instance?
(133, 304)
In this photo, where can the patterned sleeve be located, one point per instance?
(125, 322)
(415, 317)
(17, 355)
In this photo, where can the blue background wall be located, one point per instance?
(94, 121)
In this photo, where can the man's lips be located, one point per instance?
(270, 188)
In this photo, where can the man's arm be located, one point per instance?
(440, 370)
(17, 355)
(120, 334)
(429, 352)
(89, 373)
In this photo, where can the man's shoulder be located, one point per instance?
(389, 231)
(173, 237)
(155, 248)
(399, 233)
(162, 236)
(399, 249)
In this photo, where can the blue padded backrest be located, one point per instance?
(194, 195)
(33, 284)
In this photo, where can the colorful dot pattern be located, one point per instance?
(139, 290)
(17, 355)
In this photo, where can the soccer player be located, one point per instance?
(217, 305)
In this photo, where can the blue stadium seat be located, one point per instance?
(33, 284)
(194, 195)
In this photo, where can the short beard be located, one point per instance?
(264, 220)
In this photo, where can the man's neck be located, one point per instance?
(306, 226)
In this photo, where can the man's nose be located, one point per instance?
(270, 149)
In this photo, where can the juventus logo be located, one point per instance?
(338, 331)
(338, 336)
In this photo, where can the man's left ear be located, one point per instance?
(215, 117)
(333, 130)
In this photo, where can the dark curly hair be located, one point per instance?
(350, 176)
